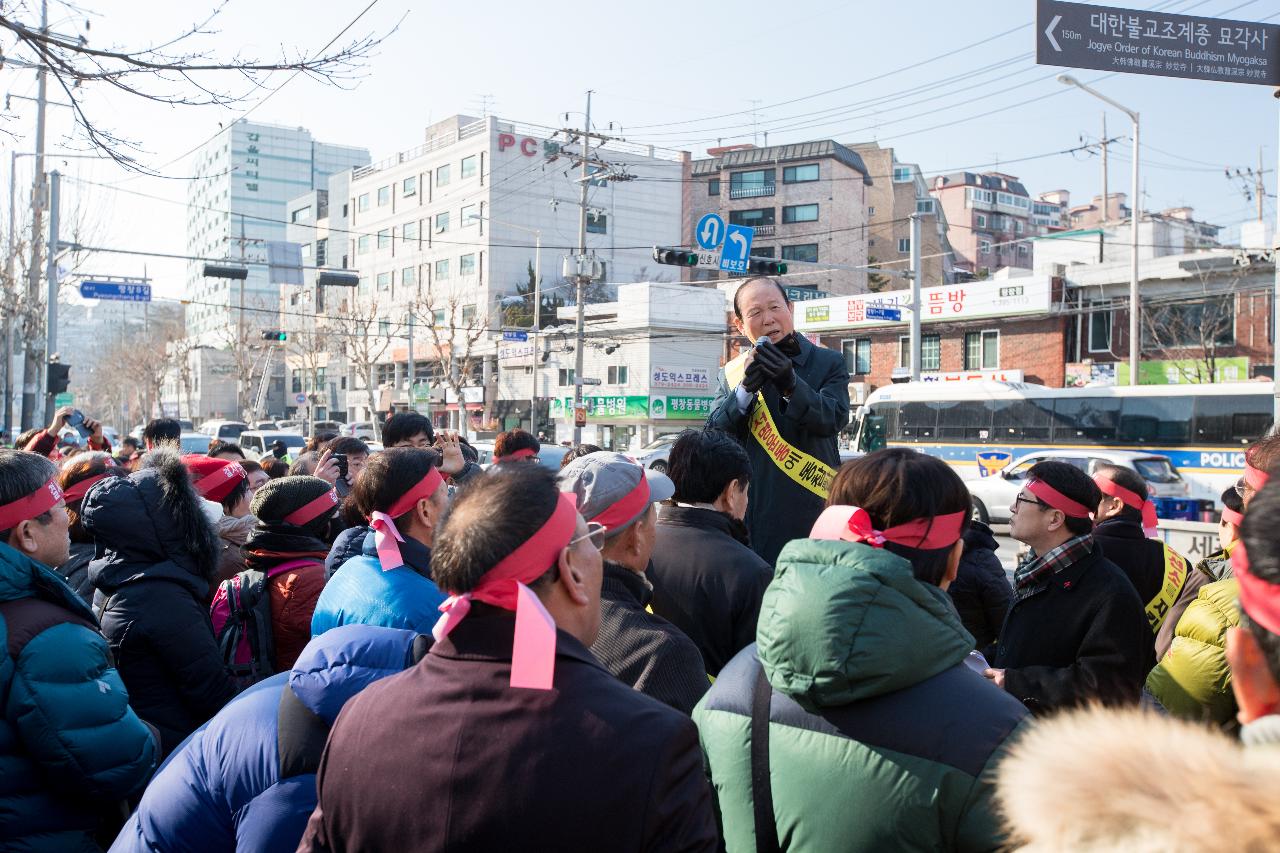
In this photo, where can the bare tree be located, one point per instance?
(1191, 332)
(457, 326)
(363, 335)
(174, 72)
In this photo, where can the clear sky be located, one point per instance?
(949, 84)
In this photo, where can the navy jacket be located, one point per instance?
(350, 543)
(781, 509)
(228, 787)
(981, 591)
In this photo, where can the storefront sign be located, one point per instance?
(673, 407)
(603, 408)
(971, 301)
(512, 351)
(1186, 371)
(974, 376)
(680, 377)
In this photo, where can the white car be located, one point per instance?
(993, 495)
(656, 453)
(359, 429)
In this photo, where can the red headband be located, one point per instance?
(207, 484)
(385, 532)
(77, 491)
(1057, 500)
(533, 654)
(522, 453)
(426, 488)
(1130, 499)
(1259, 599)
(32, 506)
(853, 524)
(1255, 478)
(631, 505)
(309, 511)
(1231, 516)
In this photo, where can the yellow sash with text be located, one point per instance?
(1175, 575)
(802, 468)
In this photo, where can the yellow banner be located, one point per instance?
(802, 468)
(1175, 575)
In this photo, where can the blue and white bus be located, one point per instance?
(979, 427)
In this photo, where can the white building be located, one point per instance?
(656, 352)
(245, 176)
(1170, 232)
(442, 232)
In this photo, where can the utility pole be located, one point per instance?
(413, 405)
(51, 283)
(10, 295)
(537, 322)
(240, 341)
(33, 363)
(916, 307)
(1275, 294)
(1106, 199)
(580, 279)
(1261, 192)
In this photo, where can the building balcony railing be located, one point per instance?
(751, 191)
(765, 230)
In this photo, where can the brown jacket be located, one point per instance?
(293, 600)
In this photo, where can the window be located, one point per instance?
(762, 251)
(984, 247)
(468, 315)
(981, 350)
(1160, 420)
(297, 383)
(384, 329)
(470, 214)
(322, 247)
(442, 269)
(1099, 330)
(437, 317)
(409, 186)
(1014, 420)
(800, 213)
(857, 356)
(713, 186)
(362, 244)
(409, 231)
(802, 252)
(409, 277)
(384, 238)
(566, 377)
(384, 281)
(753, 218)
(467, 265)
(1085, 419)
(904, 245)
(384, 196)
(871, 211)
(1208, 322)
(470, 166)
(901, 174)
(758, 182)
(1023, 250)
(981, 220)
(306, 251)
(442, 222)
(617, 374)
(1235, 419)
(972, 194)
(597, 223)
(925, 206)
(444, 174)
(964, 420)
(362, 202)
(800, 174)
(930, 352)
(302, 214)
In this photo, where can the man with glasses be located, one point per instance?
(1076, 630)
(641, 649)
(509, 734)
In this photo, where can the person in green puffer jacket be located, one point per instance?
(876, 734)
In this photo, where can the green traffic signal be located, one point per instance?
(675, 257)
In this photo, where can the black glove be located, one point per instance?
(755, 378)
(777, 366)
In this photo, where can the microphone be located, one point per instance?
(764, 339)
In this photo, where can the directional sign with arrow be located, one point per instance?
(737, 248)
(710, 231)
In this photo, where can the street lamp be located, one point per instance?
(1135, 202)
(537, 309)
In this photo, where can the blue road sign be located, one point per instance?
(878, 312)
(515, 336)
(737, 248)
(710, 231)
(122, 291)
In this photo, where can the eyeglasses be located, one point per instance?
(1239, 486)
(1033, 501)
(595, 532)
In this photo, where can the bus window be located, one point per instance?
(872, 436)
(1085, 420)
(1020, 420)
(1155, 420)
(964, 420)
(917, 422)
(1232, 419)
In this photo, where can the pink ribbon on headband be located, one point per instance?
(1130, 498)
(853, 524)
(533, 652)
(1230, 516)
(522, 453)
(385, 532)
(1057, 500)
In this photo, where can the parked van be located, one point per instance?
(257, 442)
(225, 430)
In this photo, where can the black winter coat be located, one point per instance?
(981, 591)
(156, 552)
(447, 756)
(76, 570)
(350, 543)
(1075, 638)
(706, 581)
(1142, 560)
(781, 509)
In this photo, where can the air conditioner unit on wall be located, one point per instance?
(858, 392)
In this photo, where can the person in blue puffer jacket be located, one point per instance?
(246, 779)
(403, 496)
(71, 747)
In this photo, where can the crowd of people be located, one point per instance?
(401, 649)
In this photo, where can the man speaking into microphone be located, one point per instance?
(786, 400)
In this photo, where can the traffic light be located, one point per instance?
(59, 378)
(767, 266)
(675, 257)
(274, 335)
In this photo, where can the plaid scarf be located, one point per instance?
(1037, 569)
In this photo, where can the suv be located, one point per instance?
(225, 430)
(992, 495)
(654, 454)
(359, 429)
(257, 442)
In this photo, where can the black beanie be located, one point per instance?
(282, 496)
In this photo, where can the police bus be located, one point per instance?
(980, 427)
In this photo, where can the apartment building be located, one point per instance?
(989, 216)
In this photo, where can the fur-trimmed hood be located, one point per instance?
(1097, 780)
(150, 525)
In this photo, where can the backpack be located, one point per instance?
(241, 616)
